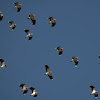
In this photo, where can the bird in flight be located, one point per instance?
(52, 21)
(12, 25)
(1, 16)
(60, 50)
(48, 72)
(75, 60)
(31, 16)
(33, 92)
(28, 34)
(3, 63)
(18, 6)
(24, 88)
(94, 91)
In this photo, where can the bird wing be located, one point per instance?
(11, 22)
(33, 89)
(47, 68)
(18, 9)
(30, 38)
(2, 61)
(27, 31)
(25, 92)
(35, 94)
(33, 21)
(96, 95)
(92, 87)
(53, 24)
(60, 52)
(58, 48)
(16, 4)
(22, 85)
(31, 15)
(50, 76)
(51, 18)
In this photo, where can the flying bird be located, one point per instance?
(52, 21)
(12, 25)
(60, 50)
(1, 16)
(48, 72)
(94, 91)
(31, 16)
(75, 60)
(2, 63)
(28, 34)
(33, 92)
(24, 88)
(18, 6)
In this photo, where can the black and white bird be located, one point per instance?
(29, 35)
(1, 16)
(33, 92)
(18, 6)
(3, 63)
(94, 91)
(24, 88)
(31, 16)
(60, 50)
(52, 21)
(48, 72)
(75, 60)
(12, 25)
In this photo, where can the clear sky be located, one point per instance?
(77, 31)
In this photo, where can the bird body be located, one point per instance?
(2, 63)
(33, 92)
(28, 34)
(12, 25)
(60, 50)
(31, 16)
(94, 91)
(53, 21)
(48, 72)
(18, 6)
(74, 58)
(24, 88)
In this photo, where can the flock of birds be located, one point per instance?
(59, 50)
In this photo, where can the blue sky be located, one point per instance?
(76, 31)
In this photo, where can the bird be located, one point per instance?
(12, 25)
(31, 16)
(52, 21)
(94, 91)
(74, 58)
(3, 63)
(60, 50)
(18, 6)
(33, 92)
(24, 88)
(28, 34)
(48, 72)
(1, 16)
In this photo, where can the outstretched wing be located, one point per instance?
(51, 18)
(2, 61)
(27, 31)
(33, 89)
(50, 76)
(92, 87)
(47, 68)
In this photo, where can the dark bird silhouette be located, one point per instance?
(48, 72)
